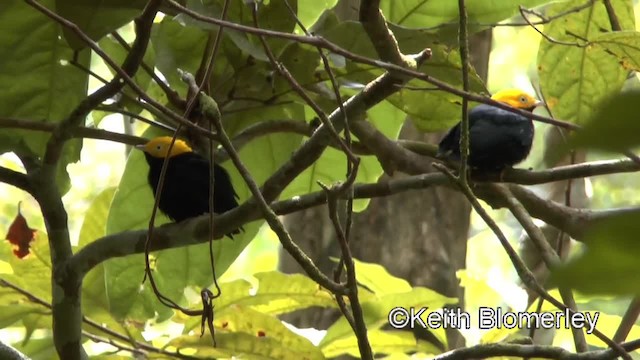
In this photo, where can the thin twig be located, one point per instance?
(463, 39)
(613, 18)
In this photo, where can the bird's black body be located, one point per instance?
(497, 139)
(185, 191)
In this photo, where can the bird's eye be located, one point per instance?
(158, 147)
(523, 99)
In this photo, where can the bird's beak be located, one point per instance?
(139, 147)
(539, 103)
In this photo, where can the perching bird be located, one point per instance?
(185, 191)
(498, 139)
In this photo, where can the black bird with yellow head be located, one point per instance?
(498, 139)
(185, 191)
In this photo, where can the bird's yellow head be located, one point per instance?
(159, 147)
(517, 98)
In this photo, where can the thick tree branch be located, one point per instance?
(383, 40)
(575, 222)
(17, 179)
(391, 156)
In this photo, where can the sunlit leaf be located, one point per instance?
(310, 10)
(243, 331)
(624, 45)
(377, 279)
(573, 79)
(275, 293)
(38, 348)
(382, 342)
(427, 14)
(32, 273)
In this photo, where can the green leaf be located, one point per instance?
(376, 312)
(96, 304)
(252, 322)
(44, 86)
(249, 333)
(609, 263)
(301, 61)
(32, 273)
(279, 293)
(274, 293)
(377, 279)
(94, 225)
(426, 14)
(624, 45)
(12, 313)
(177, 47)
(310, 10)
(574, 80)
(96, 19)
(38, 348)
(613, 127)
(382, 342)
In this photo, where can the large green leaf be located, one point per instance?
(96, 304)
(96, 18)
(575, 79)
(38, 349)
(244, 345)
(276, 293)
(609, 263)
(44, 86)
(382, 342)
(310, 10)
(281, 343)
(624, 45)
(177, 47)
(32, 274)
(430, 13)
(377, 279)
